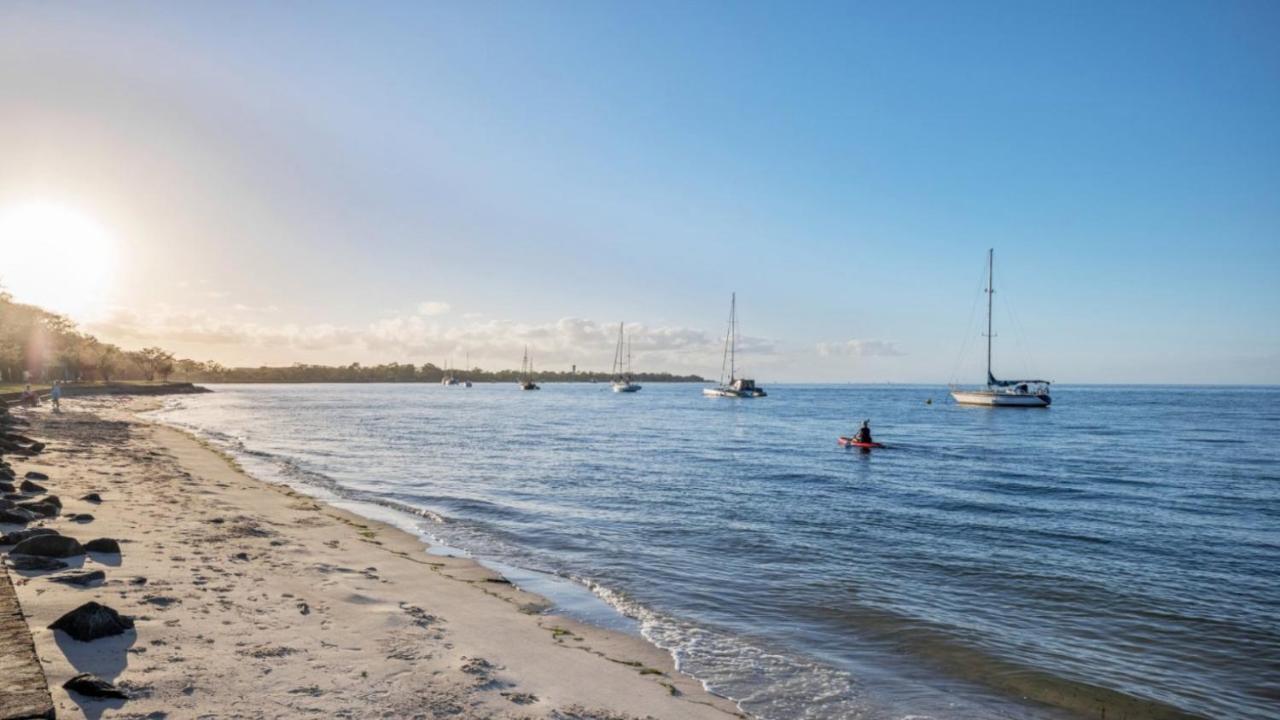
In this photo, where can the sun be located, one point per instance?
(56, 257)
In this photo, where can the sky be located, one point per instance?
(269, 183)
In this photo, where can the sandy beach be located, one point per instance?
(251, 600)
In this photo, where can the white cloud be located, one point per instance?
(860, 348)
(422, 338)
(434, 307)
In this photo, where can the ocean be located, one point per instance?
(1116, 555)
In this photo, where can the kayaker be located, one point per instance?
(864, 433)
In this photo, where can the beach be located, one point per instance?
(252, 600)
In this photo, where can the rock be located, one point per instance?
(6, 504)
(33, 475)
(91, 685)
(91, 621)
(34, 562)
(18, 536)
(58, 546)
(38, 507)
(52, 500)
(103, 545)
(80, 517)
(7, 487)
(29, 487)
(36, 448)
(139, 580)
(92, 497)
(82, 579)
(16, 516)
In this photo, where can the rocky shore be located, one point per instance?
(158, 581)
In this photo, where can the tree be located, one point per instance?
(154, 361)
(108, 357)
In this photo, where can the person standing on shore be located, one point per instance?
(55, 394)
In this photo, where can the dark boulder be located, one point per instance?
(80, 517)
(18, 536)
(87, 577)
(52, 500)
(34, 563)
(33, 475)
(6, 504)
(16, 516)
(58, 546)
(36, 448)
(8, 487)
(91, 685)
(39, 507)
(91, 621)
(29, 487)
(92, 497)
(103, 545)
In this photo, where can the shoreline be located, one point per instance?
(324, 610)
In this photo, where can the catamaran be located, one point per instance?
(526, 372)
(736, 387)
(1002, 393)
(622, 369)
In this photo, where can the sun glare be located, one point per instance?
(56, 257)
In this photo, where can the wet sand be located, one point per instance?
(253, 601)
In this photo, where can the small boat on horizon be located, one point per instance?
(526, 372)
(736, 387)
(1002, 393)
(622, 370)
(449, 378)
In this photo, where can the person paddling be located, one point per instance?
(864, 433)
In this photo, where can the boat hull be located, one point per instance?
(998, 399)
(731, 393)
(626, 388)
(851, 443)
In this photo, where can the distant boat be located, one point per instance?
(448, 378)
(622, 371)
(736, 387)
(1002, 393)
(526, 372)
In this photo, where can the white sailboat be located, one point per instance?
(736, 387)
(622, 370)
(1002, 393)
(526, 372)
(449, 378)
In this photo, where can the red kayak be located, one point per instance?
(850, 442)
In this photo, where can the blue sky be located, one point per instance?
(295, 181)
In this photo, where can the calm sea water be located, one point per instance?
(1119, 552)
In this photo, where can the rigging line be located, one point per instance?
(968, 331)
(1023, 355)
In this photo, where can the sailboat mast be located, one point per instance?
(733, 333)
(991, 291)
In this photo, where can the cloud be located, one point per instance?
(434, 307)
(860, 348)
(419, 337)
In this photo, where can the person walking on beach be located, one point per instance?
(55, 394)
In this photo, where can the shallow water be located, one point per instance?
(1116, 552)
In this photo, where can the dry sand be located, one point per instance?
(254, 601)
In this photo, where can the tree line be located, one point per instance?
(40, 346)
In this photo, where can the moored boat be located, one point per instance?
(526, 372)
(736, 387)
(1002, 393)
(622, 382)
